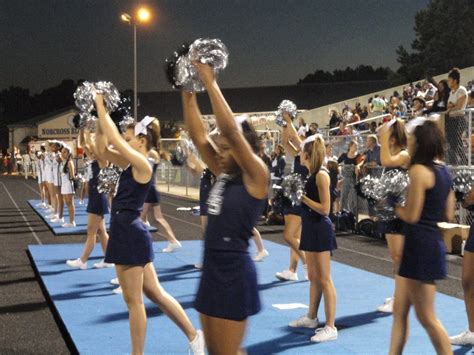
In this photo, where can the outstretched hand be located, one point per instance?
(206, 73)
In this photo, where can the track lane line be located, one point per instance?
(22, 214)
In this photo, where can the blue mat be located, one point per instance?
(80, 217)
(97, 320)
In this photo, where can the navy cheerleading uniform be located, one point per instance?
(153, 195)
(470, 240)
(205, 186)
(317, 233)
(130, 243)
(394, 226)
(97, 203)
(228, 286)
(303, 171)
(424, 251)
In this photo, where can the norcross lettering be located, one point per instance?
(59, 131)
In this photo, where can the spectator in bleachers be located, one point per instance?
(455, 124)
(334, 118)
(440, 102)
(303, 128)
(377, 106)
(313, 129)
(278, 163)
(458, 96)
(372, 154)
(350, 160)
(429, 91)
(373, 127)
(343, 131)
(364, 113)
(419, 105)
(329, 152)
(263, 155)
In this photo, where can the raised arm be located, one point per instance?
(90, 145)
(255, 172)
(125, 154)
(399, 160)
(197, 131)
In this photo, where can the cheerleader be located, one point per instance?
(318, 240)
(130, 245)
(393, 155)
(56, 217)
(67, 172)
(467, 337)
(97, 207)
(48, 178)
(152, 201)
(292, 215)
(227, 293)
(39, 176)
(430, 200)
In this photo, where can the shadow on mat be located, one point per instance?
(282, 343)
(152, 311)
(357, 320)
(278, 283)
(85, 294)
(466, 349)
(23, 307)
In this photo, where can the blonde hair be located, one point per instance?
(316, 150)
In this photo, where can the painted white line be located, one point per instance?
(24, 218)
(181, 220)
(385, 259)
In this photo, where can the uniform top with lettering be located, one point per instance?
(232, 214)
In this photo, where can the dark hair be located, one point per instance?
(420, 100)
(152, 135)
(399, 133)
(251, 136)
(430, 143)
(455, 75)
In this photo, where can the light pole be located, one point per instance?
(143, 15)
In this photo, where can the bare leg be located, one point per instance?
(258, 239)
(223, 336)
(144, 213)
(103, 235)
(292, 234)
(157, 294)
(69, 200)
(203, 224)
(93, 224)
(131, 281)
(163, 223)
(423, 298)
(395, 246)
(401, 308)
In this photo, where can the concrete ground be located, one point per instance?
(27, 324)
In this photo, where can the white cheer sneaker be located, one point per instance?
(465, 338)
(324, 334)
(287, 275)
(77, 264)
(304, 322)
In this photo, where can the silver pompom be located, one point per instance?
(463, 181)
(293, 188)
(110, 92)
(209, 51)
(206, 51)
(125, 123)
(107, 179)
(392, 190)
(285, 106)
(84, 96)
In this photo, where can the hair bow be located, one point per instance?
(141, 127)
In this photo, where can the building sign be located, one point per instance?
(58, 127)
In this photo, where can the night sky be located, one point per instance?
(271, 42)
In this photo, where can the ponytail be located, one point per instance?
(316, 151)
(399, 133)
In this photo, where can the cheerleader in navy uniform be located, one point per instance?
(227, 293)
(130, 245)
(467, 337)
(97, 207)
(318, 240)
(292, 215)
(56, 147)
(430, 200)
(152, 201)
(67, 186)
(393, 155)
